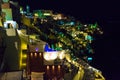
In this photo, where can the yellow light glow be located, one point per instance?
(73, 62)
(23, 64)
(20, 60)
(68, 58)
(47, 14)
(61, 54)
(32, 36)
(24, 46)
(101, 76)
(24, 56)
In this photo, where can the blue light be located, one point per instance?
(72, 23)
(89, 58)
(89, 37)
(47, 49)
(36, 49)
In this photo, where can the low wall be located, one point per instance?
(16, 75)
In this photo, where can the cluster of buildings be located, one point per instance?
(25, 51)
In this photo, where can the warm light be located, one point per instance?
(48, 67)
(31, 54)
(24, 56)
(40, 54)
(58, 66)
(46, 14)
(23, 64)
(73, 62)
(50, 55)
(35, 54)
(68, 58)
(24, 46)
(61, 54)
(53, 67)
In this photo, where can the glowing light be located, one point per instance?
(24, 46)
(40, 54)
(61, 54)
(14, 24)
(31, 54)
(48, 67)
(50, 55)
(89, 58)
(46, 14)
(58, 66)
(36, 15)
(68, 57)
(53, 67)
(85, 25)
(35, 54)
(23, 64)
(24, 56)
(46, 48)
(36, 49)
(72, 23)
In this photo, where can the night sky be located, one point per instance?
(106, 14)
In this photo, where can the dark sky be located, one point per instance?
(106, 14)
